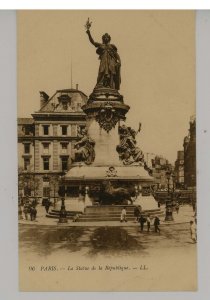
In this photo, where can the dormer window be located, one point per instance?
(64, 100)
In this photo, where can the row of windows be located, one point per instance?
(46, 129)
(46, 163)
(64, 147)
(47, 191)
(28, 191)
(63, 129)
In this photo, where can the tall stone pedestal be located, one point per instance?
(107, 179)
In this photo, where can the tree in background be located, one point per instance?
(28, 183)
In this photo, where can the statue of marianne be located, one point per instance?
(110, 63)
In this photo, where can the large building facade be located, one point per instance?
(46, 142)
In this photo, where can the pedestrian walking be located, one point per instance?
(177, 207)
(137, 212)
(47, 205)
(156, 224)
(33, 213)
(193, 231)
(26, 210)
(123, 215)
(142, 221)
(148, 223)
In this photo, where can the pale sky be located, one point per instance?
(157, 50)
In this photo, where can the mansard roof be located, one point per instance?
(64, 101)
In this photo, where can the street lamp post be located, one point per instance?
(168, 175)
(173, 190)
(174, 181)
(169, 208)
(63, 212)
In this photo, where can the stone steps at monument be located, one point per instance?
(56, 214)
(108, 209)
(114, 209)
(104, 213)
(113, 214)
(117, 211)
(72, 212)
(102, 218)
(85, 218)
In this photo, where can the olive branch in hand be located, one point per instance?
(88, 24)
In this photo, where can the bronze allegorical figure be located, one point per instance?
(110, 63)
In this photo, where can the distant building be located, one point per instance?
(160, 166)
(179, 169)
(190, 155)
(46, 141)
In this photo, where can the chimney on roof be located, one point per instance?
(43, 98)
(77, 85)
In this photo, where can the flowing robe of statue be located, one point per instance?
(109, 68)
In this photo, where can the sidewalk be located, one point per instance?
(185, 215)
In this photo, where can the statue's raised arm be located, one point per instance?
(87, 26)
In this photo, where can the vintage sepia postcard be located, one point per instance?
(107, 150)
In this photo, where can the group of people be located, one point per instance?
(142, 220)
(139, 217)
(29, 210)
(145, 219)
